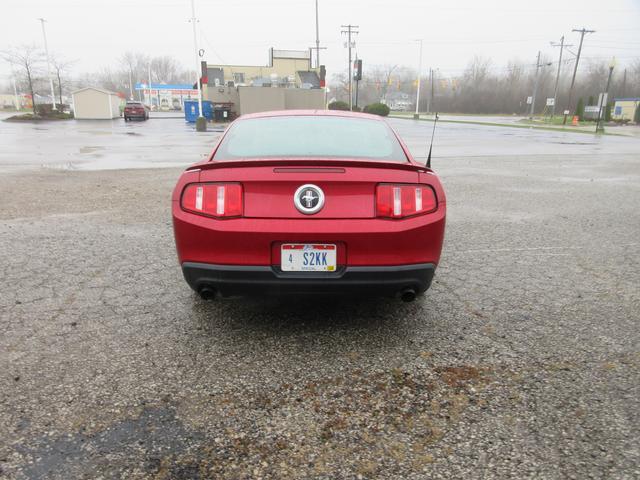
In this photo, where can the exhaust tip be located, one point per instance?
(408, 295)
(207, 293)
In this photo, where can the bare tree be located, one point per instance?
(381, 77)
(61, 69)
(134, 68)
(165, 69)
(27, 59)
(340, 86)
(478, 70)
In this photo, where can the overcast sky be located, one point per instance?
(96, 33)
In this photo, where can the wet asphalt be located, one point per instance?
(522, 361)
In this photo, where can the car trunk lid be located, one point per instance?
(348, 186)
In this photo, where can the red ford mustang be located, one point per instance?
(309, 202)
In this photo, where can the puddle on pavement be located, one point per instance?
(84, 150)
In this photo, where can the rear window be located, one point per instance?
(308, 136)
(134, 104)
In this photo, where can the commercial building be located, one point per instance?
(625, 109)
(288, 81)
(286, 68)
(160, 96)
(91, 103)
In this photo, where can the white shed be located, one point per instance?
(91, 103)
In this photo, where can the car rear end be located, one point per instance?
(135, 110)
(240, 231)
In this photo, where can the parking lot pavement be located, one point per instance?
(522, 361)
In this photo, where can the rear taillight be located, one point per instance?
(399, 201)
(213, 199)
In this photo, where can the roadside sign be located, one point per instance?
(529, 100)
(551, 102)
(566, 112)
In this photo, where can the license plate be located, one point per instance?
(298, 257)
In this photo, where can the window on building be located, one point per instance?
(238, 78)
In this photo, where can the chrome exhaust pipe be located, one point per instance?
(207, 293)
(408, 295)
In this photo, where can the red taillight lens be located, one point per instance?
(213, 199)
(399, 201)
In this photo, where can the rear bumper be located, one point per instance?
(243, 280)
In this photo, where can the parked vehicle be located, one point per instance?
(135, 110)
(309, 202)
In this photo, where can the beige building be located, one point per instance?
(8, 100)
(93, 103)
(285, 68)
(625, 108)
(287, 82)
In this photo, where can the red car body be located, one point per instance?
(135, 110)
(375, 254)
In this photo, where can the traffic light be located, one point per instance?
(323, 75)
(357, 66)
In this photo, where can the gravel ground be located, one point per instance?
(522, 361)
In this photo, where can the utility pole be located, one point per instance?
(46, 49)
(605, 95)
(198, 68)
(535, 84)
(357, 79)
(582, 32)
(555, 90)
(624, 82)
(350, 30)
(417, 114)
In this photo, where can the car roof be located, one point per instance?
(314, 113)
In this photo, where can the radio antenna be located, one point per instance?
(433, 132)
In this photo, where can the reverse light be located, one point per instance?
(402, 200)
(213, 199)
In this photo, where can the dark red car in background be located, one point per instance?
(309, 202)
(135, 110)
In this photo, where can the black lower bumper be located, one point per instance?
(232, 280)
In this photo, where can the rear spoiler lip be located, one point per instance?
(306, 162)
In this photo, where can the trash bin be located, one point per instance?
(192, 112)
(222, 114)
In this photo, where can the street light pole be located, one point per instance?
(150, 100)
(417, 114)
(15, 92)
(431, 95)
(195, 47)
(46, 49)
(317, 38)
(130, 86)
(350, 30)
